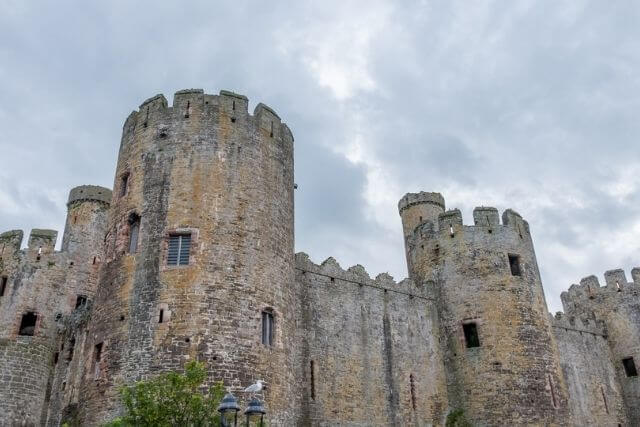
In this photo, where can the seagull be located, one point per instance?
(254, 388)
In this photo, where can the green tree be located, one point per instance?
(171, 399)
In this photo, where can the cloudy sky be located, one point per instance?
(531, 105)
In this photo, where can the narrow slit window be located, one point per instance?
(267, 328)
(80, 301)
(28, 324)
(124, 184)
(412, 386)
(134, 231)
(312, 380)
(179, 247)
(72, 347)
(161, 316)
(514, 264)
(471, 337)
(604, 400)
(552, 390)
(97, 359)
(3, 285)
(630, 367)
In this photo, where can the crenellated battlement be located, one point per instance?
(590, 291)
(578, 324)
(195, 103)
(423, 197)
(486, 221)
(89, 193)
(357, 275)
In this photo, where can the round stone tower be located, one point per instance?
(199, 252)
(501, 358)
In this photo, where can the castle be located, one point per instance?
(192, 257)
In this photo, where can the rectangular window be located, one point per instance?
(630, 367)
(28, 324)
(267, 328)
(134, 231)
(124, 183)
(97, 358)
(179, 247)
(313, 380)
(471, 335)
(514, 263)
(3, 285)
(80, 301)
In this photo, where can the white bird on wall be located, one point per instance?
(254, 388)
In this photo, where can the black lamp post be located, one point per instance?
(228, 409)
(254, 412)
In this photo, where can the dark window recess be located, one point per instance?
(97, 358)
(81, 300)
(312, 378)
(3, 285)
(124, 184)
(179, 247)
(514, 263)
(267, 328)
(412, 386)
(28, 324)
(72, 347)
(161, 316)
(630, 367)
(134, 231)
(471, 335)
(55, 358)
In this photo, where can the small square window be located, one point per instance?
(179, 247)
(80, 301)
(267, 328)
(471, 337)
(630, 367)
(28, 324)
(514, 264)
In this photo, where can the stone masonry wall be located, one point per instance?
(206, 167)
(617, 305)
(514, 376)
(369, 354)
(595, 396)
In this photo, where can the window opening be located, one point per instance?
(94, 260)
(97, 358)
(28, 324)
(72, 346)
(552, 390)
(618, 288)
(413, 391)
(179, 247)
(75, 218)
(630, 367)
(271, 134)
(267, 328)
(55, 358)
(186, 113)
(134, 231)
(451, 230)
(80, 301)
(3, 285)
(604, 400)
(39, 253)
(161, 316)
(234, 105)
(471, 335)
(313, 381)
(124, 184)
(514, 264)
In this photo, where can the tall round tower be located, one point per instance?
(500, 357)
(199, 251)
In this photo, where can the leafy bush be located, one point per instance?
(457, 418)
(171, 399)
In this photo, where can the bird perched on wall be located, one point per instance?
(254, 388)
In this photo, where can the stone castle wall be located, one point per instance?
(368, 354)
(513, 375)
(595, 393)
(204, 167)
(347, 349)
